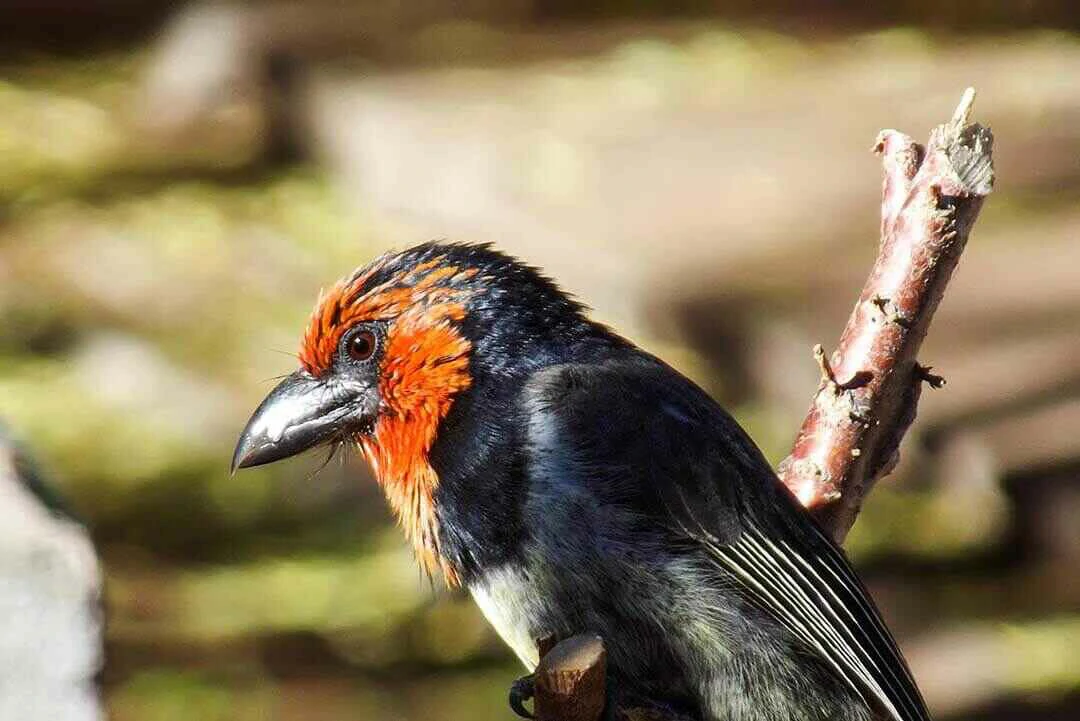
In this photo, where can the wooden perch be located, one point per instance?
(869, 387)
(570, 685)
(569, 681)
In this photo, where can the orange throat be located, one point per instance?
(409, 482)
(425, 366)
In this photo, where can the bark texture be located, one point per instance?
(870, 385)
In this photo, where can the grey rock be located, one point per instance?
(50, 601)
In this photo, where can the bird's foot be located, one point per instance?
(521, 691)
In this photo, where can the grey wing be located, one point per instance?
(709, 483)
(787, 565)
(818, 599)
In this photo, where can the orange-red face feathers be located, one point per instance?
(388, 353)
(423, 364)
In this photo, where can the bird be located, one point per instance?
(572, 482)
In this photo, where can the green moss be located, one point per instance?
(1043, 654)
(366, 594)
(169, 694)
(927, 523)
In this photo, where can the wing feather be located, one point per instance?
(812, 591)
(835, 630)
(712, 486)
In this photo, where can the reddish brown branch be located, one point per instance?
(871, 384)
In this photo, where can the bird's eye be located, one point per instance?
(361, 345)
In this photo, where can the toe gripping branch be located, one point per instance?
(568, 684)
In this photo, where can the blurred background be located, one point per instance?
(177, 181)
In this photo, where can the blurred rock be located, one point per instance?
(235, 68)
(968, 667)
(131, 378)
(1047, 502)
(50, 607)
(204, 61)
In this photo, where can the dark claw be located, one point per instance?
(520, 692)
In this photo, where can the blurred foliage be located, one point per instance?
(156, 308)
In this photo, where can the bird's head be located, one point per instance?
(389, 349)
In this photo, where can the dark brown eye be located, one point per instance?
(361, 345)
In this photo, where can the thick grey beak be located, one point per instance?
(300, 413)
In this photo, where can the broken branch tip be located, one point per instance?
(962, 115)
